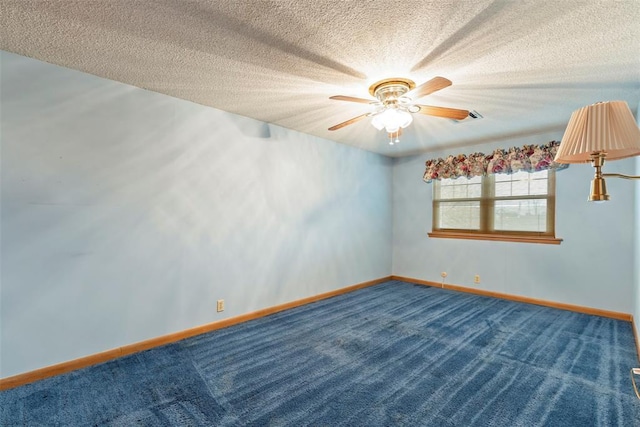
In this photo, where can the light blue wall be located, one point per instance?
(593, 266)
(126, 214)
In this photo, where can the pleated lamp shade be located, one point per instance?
(607, 127)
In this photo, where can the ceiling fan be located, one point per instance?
(395, 104)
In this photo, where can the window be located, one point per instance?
(516, 207)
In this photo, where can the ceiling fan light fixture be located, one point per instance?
(392, 119)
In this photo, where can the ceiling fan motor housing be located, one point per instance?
(389, 91)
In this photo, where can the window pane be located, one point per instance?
(521, 184)
(521, 215)
(460, 215)
(503, 189)
(538, 183)
(460, 188)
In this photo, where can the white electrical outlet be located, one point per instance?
(220, 306)
(476, 279)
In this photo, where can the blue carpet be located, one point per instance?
(389, 355)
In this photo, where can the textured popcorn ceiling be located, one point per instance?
(524, 65)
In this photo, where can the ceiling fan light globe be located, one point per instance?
(384, 119)
(406, 118)
(377, 122)
(392, 119)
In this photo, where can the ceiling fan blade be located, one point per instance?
(449, 113)
(348, 122)
(429, 86)
(352, 99)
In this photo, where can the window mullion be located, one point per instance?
(487, 204)
(551, 201)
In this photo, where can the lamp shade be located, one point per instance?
(607, 127)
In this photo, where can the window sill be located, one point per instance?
(547, 240)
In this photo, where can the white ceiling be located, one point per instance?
(524, 65)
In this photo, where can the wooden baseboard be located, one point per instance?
(570, 307)
(417, 281)
(94, 359)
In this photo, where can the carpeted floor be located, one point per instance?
(392, 354)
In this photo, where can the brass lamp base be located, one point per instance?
(598, 185)
(598, 190)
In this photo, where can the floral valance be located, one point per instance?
(529, 158)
